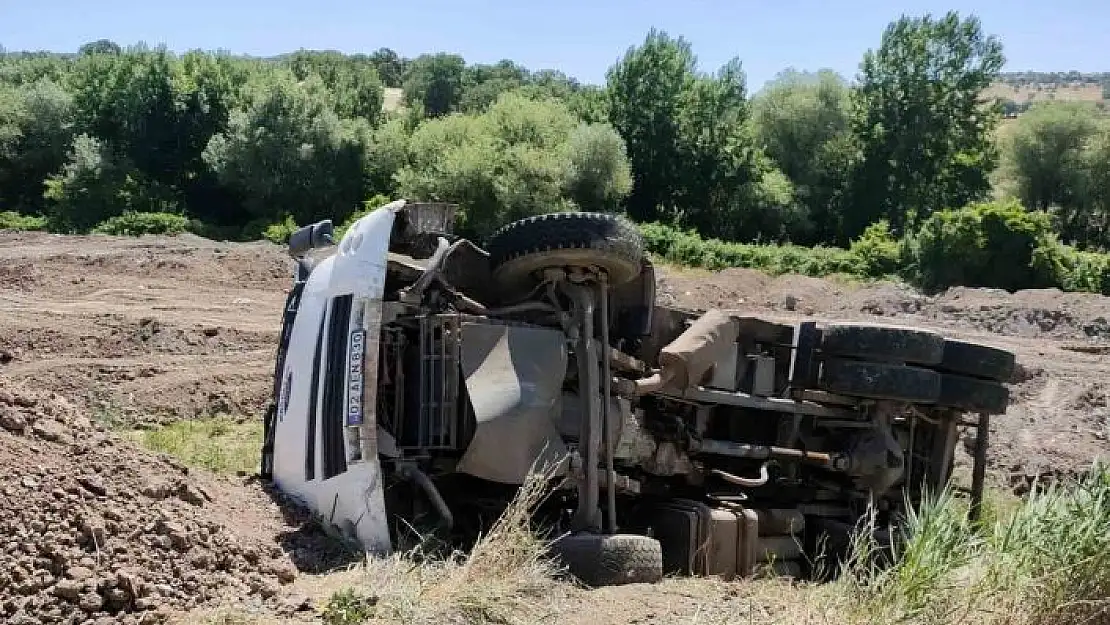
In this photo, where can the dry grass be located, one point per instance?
(392, 99)
(503, 579)
(1041, 561)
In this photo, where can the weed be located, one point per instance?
(218, 444)
(347, 607)
(1044, 561)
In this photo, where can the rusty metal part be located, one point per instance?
(481, 309)
(625, 362)
(775, 404)
(762, 452)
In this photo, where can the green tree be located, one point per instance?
(1042, 153)
(599, 175)
(97, 183)
(1055, 159)
(388, 154)
(286, 152)
(100, 46)
(433, 82)
(207, 88)
(158, 113)
(589, 103)
(694, 156)
(483, 84)
(36, 130)
(923, 129)
(521, 157)
(390, 66)
(24, 68)
(129, 101)
(728, 187)
(646, 89)
(352, 83)
(84, 192)
(803, 122)
(1092, 229)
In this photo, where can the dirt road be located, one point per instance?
(99, 332)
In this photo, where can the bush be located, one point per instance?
(687, 248)
(137, 224)
(1082, 271)
(280, 232)
(10, 220)
(991, 244)
(877, 250)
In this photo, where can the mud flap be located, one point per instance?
(514, 377)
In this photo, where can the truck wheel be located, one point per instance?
(877, 380)
(613, 560)
(976, 360)
(973, 395)
(522, 248)
(883, 343)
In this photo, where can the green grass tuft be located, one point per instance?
(219, 444)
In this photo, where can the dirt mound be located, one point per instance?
(37, 260)
(118, 336)
(1034, 313)
(95, 528)
(142, 331)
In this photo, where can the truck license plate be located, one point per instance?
(354, 377)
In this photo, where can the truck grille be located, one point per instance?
(423, 399)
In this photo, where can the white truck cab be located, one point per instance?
(322, 438)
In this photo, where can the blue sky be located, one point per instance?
(580, 37)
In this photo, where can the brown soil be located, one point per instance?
(99, 330)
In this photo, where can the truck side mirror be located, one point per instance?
(310, 237)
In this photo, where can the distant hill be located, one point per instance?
(1019, 90)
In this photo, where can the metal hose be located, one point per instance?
(744, 482)
(415, 475)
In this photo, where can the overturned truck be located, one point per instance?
(420, 379)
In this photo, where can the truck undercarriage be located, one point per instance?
(421, 379)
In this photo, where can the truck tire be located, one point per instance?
(977, 360)
(574, 239)
(876, 380)
(612, 560)
(972, 394)
(882, 343)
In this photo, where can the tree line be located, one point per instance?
(236, 145)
